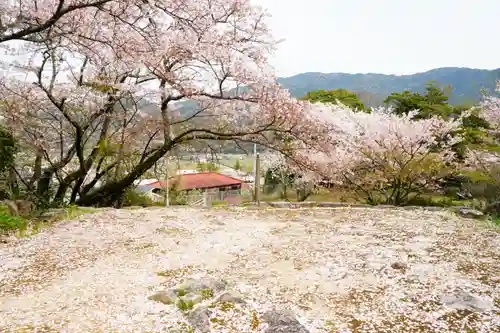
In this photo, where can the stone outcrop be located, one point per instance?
(208, 306)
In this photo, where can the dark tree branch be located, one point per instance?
(58, 14)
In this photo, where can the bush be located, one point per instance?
(484, 186)
(133, 197)
(431, 201)
(9, 222)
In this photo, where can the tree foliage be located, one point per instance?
(336, 96)
(483, 160)
(431, 104)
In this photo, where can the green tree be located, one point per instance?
(343, 96)
(433, 103)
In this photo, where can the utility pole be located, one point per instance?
(257, 179)
(167, 189)
(254, 158)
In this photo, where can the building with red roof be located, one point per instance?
(203, 181)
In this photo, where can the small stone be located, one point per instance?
(283, 322)
(199, 318)
(400, 266)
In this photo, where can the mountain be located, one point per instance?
(466, 83)
(372, 89)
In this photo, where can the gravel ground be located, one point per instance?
(338, 270)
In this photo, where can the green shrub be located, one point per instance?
(484, 186)
(432, 201)
(496, 219)
(133, 197)
(9, 222)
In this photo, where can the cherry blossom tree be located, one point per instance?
(90, 67)
(23, 20)
(384, 157)
(484, 160)
(290, 171)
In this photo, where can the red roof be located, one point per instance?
(199, 180)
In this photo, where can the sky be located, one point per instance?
(383, 36)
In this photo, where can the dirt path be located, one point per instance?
(341, 270)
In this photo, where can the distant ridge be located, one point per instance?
(372, 88)
(466, 83)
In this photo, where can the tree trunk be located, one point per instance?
(60, 194)
(13, 184)
(303, 194)
(111, 192)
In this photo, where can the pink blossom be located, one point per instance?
(372, 150)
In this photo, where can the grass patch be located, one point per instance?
(226, 306)
(183, 328)
(496, 219)
(176, 272)
(9, 223)
(185, 305)
(74, 211)
(38, 219)
(206, 294)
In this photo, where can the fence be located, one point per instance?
(208, 197)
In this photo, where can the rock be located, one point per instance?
(281, 204)
(165, 297)
(434, 208)
(331, 204)
(305, 204)
(467, 301)
(191, 290)
(399, 266)
(283, 322)
(231, 298)
(195, 298)
(192, 285)
(199, 318)
(470, 213)
(20, 207)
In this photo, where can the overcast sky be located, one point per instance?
(384, 36)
